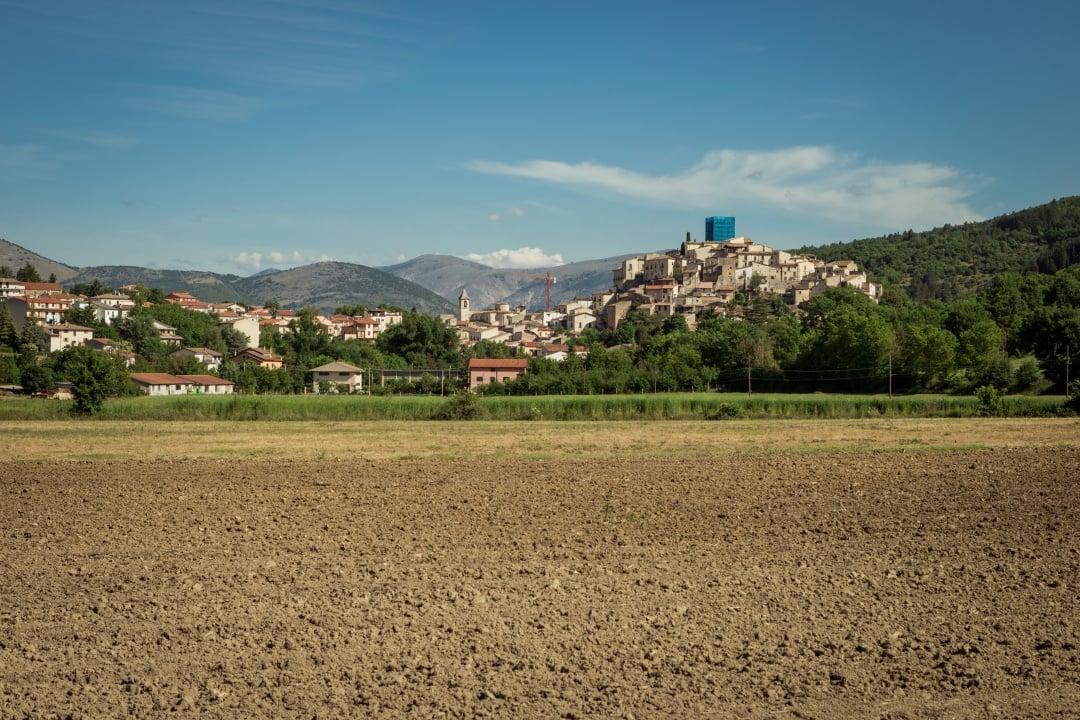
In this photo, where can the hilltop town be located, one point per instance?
(713, 275)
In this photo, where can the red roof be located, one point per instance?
(497, 363)
(205, 380)
(158, 379)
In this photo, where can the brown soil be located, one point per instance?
(886, 585)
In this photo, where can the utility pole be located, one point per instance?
(1067, 349)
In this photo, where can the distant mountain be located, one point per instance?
(448, 275)
(955, 258)
(205, 285)
(325, 285)
(328, 285)
(16, 257)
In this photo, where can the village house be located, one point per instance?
(210, 358)
(42, 289)
(159, 384)
(44, 309)
(484, 371)
(246, 326)
(187, 301)
(10, 287)
(110, 308)
(208, 385)
(362, 329)
(167, 333)
(385, 318)
(261, 357)
(64, 335)
(163, 384)
(337, 375)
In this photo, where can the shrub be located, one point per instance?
(991, 401)
(1073, 403)
(723, 411)
(462, 406)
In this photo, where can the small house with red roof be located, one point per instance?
(484, 371)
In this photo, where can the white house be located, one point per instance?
(208, 385)
(65, 335)
(338, 374)
(157, 384)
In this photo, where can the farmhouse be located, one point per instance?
(261, 357)
(157, 384)
(483, 371)
(337, 374)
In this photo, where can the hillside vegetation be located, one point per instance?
(943, 262)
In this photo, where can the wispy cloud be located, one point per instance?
(198, 103)
(525, 257)
(514, 212)
(256, 260)
(817, 181)
(296, 45)
(97, 138)
(20, 157)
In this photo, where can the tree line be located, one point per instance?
(1018, 333)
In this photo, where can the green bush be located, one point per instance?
(1073, 403)
(723, 411)
(462, 406)
(991, 401)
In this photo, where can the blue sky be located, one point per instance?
(238, 135)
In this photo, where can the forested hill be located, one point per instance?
(951, 259)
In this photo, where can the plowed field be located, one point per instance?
(925, 584)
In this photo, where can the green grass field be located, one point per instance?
(664, 406)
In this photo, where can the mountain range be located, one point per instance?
(429, 283)
(935, 263)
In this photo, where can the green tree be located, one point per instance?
(37, 379)
(674, 324)
(33, 337)
(83, 316)
(850, 343)
(28, 273)
(139, 330)
(351, 310)
(422, 341)
(9, 368)
(926, 354)
(93, 378)
(141, 295)
(9, 335)
(89, 290)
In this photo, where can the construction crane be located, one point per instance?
(548, 279)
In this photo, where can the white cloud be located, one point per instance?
(257, 260)
(510, 213)
(525, 257)
(817, 181)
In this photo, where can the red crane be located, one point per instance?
(548, 279)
